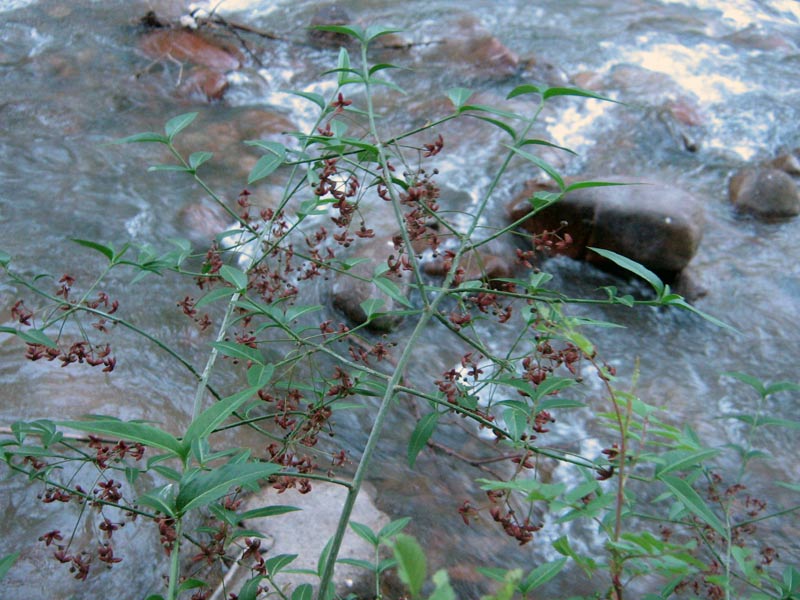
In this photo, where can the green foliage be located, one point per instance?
(292, 371)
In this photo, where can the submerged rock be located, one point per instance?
(764, 192)
(190, 47)
(350, 289)
(655, 224)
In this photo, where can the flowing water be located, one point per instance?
(73, 79)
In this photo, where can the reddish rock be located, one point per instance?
(206, 82)
(190, 47)
(764, 192)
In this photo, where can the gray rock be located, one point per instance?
(655, 224)
(764, 192)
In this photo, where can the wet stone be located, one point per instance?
(764, 192)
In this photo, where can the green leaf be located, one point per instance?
(259, 375)
(521, 90)
(551, 403)
(5, 258)
(36, 336)
(343, 63)
(268, 163)
(497, 123)
(420, 436)
(681, 303)
(538, 142)
(782, 386)
(561, 91)
(359, 564)
(161, 499)
(198, 158)
(146, 137)
(191, 584)
(176, 168)
(375, 31)
(393, 528)
(304, 591)
(215, 295)
(516, 422)
(315, 98)
(443, 589)
(348, 30)
(544, 166)
(365, 533)
(693, 502)
(753, 382)
(176, 124)
(323, 557)
(411, 562)
(679, 460)
(236, 277)
(791, 580)
(104, 250)
(579, 185)
(634, 267)
(458, 96)
(134, 432)
(372, 306)
(541, 575)
(211, 418)
(203, 488)
(7, 562)
(391, 289)
(249, 590)
(267, 511)
(239, 351)
(279, 562)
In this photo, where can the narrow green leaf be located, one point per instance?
(551, 403)
(681, 303)
(561, 91)
(458, 96)
(634, 267)
(579, 185)
(375, 31)
(521, 90)
(411, 562)
(420, 436)
(343, 62)
(36, 336)
(315, 98)
(541, 575)
(544, 166)
(239, 351)
(393, 528)
(198, 158)
(497, 123)
(7, 562)
(304, 591)
(236, 277)
(211, 418)
(5, 258)
(443, 589)
(753, 382)
(175, 168)
(162, 499)
(365, 533)
(381, 67)
(679, 460)
(359, 564)
(552, 385)
(191, 584)
(791, 580)
(348, 30)
(267, 511)
(693, 502)
(279, 562)
(204, 488)
(249, 590)
(516, 422)
(104, 250)
(145, 137)
(265, 167)
(391, 289)
(134, 432)
(538, 142)
(259, 375)
(214, 295)
(323, 557)
(782, 386)
(176, 124)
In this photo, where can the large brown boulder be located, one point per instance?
(764, 192)
(655, 224)
(187, 46)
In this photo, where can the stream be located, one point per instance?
(73, 78)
